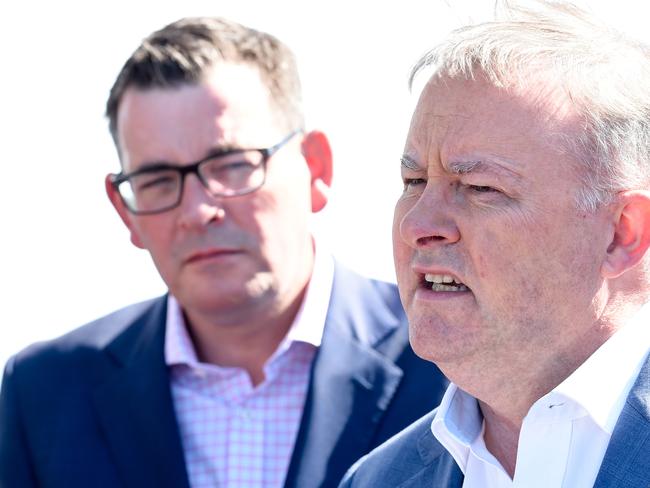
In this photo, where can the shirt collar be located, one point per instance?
(309, 324)
(599, 387)
(457, 423)
(602, 383)
(307, 327)
(178, 344)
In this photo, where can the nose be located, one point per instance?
(427, 219)
(198, 207)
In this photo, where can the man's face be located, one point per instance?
(489, 201)
(227, 255)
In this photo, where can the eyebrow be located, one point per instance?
(409, 163)
(464, 167)
(213, 152)
(225, 149)
(467, 166)
(461, 167)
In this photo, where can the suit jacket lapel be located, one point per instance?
(627, 459)
(135, 409)
(438, 466)
(443, 473)
(351, 386)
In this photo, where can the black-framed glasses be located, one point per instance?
(159, 187)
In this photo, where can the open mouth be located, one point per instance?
(441, 282)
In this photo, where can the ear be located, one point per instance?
(122, 211)
(631, 233)
(318, 154)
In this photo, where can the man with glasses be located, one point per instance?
(267, 364)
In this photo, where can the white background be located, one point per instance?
(65, 257)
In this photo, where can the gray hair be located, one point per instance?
(603, 73)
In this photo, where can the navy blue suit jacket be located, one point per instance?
(414, 458)
(94, 408)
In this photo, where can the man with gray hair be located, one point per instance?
(521, 247)
(267, 364)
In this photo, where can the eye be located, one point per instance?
(161, 180)
(411, 182)
(153, 181)
(232, 166)
(482, 189)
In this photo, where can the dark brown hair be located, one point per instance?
(183, 51)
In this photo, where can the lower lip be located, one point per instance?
(427, 294)
(217, 256)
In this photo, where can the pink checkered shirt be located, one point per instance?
(235, 435)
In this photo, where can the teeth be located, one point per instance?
(444, 283)
(436, 278)
(437, 287)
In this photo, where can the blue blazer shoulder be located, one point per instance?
(94, 407)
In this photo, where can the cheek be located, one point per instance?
(158, 238)
(402, 207)
(481, 265)
(278, 221)
(398, 214)
(153, 233)
(263, 213)
(401, 250)
(532, 264)
(510, 265)
(249, 215)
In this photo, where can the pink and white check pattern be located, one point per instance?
(234, 435)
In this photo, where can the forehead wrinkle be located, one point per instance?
(428, 132)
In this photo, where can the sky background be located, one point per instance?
(65, 258)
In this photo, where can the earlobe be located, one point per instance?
(318, 154)
(124, 214)
(631, 238)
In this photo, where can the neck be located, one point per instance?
(246, 344)
(507, 389)
(247, 333)
(501, 437)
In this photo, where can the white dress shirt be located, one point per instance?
(565, 434)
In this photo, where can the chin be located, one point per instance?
(425, 343)
(435, 340)
(261, 284)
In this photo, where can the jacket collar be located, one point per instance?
(626, 460)
(134, 406)
(354, 377)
